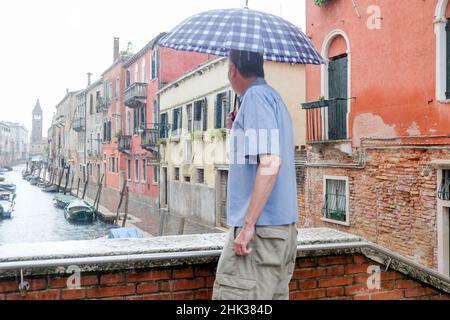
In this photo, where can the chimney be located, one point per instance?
(89, 78)
(67, 90)
(116, 49)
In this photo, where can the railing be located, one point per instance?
(102, 104)
(326, 120)
(335, 207)
(124, 143)
(79, 124)
(136, 95)
(152, 134)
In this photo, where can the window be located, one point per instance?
(135, 120)
(117, 165)
(155, 112)
(177, 121)
(136, 170)
(223, 108)
(164, 124)
(109, 164)
(200, 176)
(155, 174)
(136, 71)
(117, 88)
(189, 117)
(128, 78)
(176, 174)
(109, 90)
(187, 178)
(129, 169)
(143, 71)
(444, 188)
(336, 199)
(91, 104)
(154, 64)
(113, 164)
(144, 170)
(200, 115)
(143, 117)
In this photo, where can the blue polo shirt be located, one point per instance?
(262, 126)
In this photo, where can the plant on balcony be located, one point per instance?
(217, 134)
(118, 134)
(197, 135)
(321, 3)
(161, 141)
(174, 139)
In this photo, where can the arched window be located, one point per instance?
(335, 86)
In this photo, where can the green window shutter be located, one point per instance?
(175, 120)
(218, 117)
(205, 114)
(230, 98)
(447, 91)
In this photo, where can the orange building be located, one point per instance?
(378, 120)
(133, 125)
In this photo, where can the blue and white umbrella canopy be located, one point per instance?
(219, 31)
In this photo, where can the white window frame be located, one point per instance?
(347, 199)
(136, 72)
(443, 221)
(155, 176)
(136, 170)
(128, 169)
(440, 22)
(144, 170)
(143, 71)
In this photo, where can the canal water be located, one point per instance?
(36, 219)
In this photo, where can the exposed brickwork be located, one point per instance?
(392, 200)
(314, 278)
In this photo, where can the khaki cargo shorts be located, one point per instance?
(262, 275)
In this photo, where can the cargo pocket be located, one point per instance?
(271, 246)
(233, 287)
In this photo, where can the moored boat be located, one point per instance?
(7, 202)
(79, 211)
(62, 201)
(7, 186)
(50, 189)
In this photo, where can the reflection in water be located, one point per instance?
(36, 219)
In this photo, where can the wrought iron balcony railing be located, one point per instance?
(136, 95)
(152, 134)
(124, 143)
(102, 104)
(79, 124)
(326, 120)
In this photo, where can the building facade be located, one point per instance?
(194, 164)
(377, 125)
(146, 72)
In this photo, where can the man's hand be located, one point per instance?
(243, 239)
(230, 120)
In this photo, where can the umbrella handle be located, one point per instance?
(235, 108)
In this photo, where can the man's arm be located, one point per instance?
(266, 177)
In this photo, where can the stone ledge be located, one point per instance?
(134, 254)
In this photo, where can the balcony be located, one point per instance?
(136, 95)
(79, 124)
(326, 120)
(150, 137)
(102, 104)
(124, 143)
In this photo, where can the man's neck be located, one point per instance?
(246, 83)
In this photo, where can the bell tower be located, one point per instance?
(36, 132)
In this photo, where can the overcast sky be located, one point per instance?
(50, 45)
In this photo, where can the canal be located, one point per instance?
(36, 219)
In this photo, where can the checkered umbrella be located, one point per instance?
(218, 31)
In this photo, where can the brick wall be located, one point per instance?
(327, 277)
(392, 200)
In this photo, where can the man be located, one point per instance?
(259, 255)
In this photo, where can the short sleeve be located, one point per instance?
(260, 125)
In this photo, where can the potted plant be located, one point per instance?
(321, 3)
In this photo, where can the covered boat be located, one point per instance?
(50, 189)
(7, 186)
(124, 233)
(6, 204)
(79, 211)
(62, 201)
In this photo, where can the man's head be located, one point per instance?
(244, 68)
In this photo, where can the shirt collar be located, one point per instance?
(258, 82)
